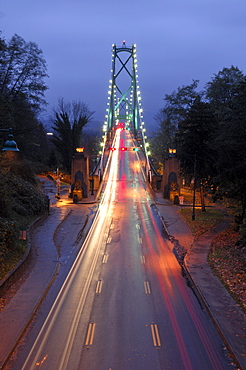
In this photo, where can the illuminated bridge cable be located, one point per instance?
(124, 106)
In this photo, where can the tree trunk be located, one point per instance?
(202, 198)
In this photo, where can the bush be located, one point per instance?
(21, 203)
(9, 236)
(20, 197)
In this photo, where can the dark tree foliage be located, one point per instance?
(193, 139)
(8, 237)
(231, 148)
(91, 140)
(221, 89)
(164, 138)
(22, 87)
(23, 70)
(180, 101)
(68, 125)
(177, 104)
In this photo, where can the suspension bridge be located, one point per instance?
(124, 106)
(123, 112)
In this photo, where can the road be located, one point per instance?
(125, 304)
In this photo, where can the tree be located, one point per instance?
(164, 138)
(69, 120)
(91, 140)
(227, 95)
(230, 146)
(220, 91)
(179, 102)
(23, 70)
(22, 87)
(194, 136)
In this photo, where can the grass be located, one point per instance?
(204, 221)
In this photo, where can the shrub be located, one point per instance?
(9, 236)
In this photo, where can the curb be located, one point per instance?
(200, 296)
(214, 320)
(42, 295)
(14, 274)
(45, 290)
(36, 307)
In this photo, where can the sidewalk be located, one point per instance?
(227, 315)
(17, 312)
(27, 294)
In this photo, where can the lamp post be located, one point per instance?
(92, 185)
(194, 192)
(10, 144)
(193, 217)
(58, 183)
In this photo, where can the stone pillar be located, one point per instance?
(80, 175)
(171, 179)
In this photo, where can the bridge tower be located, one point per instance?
(124, 103)
(124, 98)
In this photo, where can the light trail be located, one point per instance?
(133, 275)
(164, 267)
(95, 239)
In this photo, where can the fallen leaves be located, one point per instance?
(229, 263)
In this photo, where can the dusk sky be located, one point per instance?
(177, 41)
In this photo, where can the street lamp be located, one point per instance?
(10, 144)
(172, 152)
(58, 183)
(194, 191)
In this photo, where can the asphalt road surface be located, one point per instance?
(124, 303)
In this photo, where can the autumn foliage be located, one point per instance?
(228, 260)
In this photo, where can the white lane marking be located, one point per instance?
(99, 287)
(143, 260)
(147, 287)
(155, 335)
(90, 334)
(105, 258)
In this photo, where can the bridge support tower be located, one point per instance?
(123, 92)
